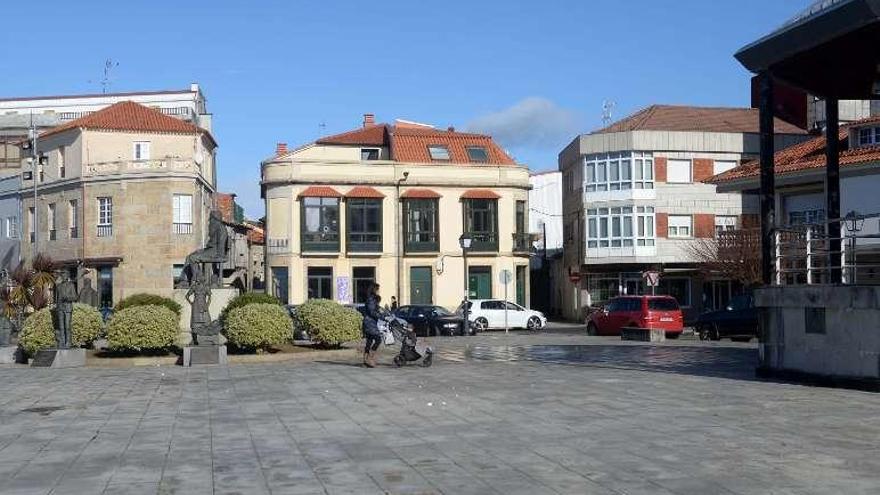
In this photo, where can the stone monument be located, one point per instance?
(199, 271)
(62, 356)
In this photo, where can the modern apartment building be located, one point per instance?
(388, 203)
(124, 193)
(635, 199)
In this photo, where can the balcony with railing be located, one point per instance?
(484, 242)
(277, 246)
(117, 167)
(421, 242)
(808, 255)
(105, 230)
(522, 242)
(182, 228)
(320, 242)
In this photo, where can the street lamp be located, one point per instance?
(465, 242)
(854, 223)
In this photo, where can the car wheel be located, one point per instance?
(481, 324)
(534, 323)
(592, 331)
(703, 332)
(714, 334)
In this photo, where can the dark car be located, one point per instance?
(738, 321)
(430, 320)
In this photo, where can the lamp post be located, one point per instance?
(854, 223)
(397, 209)
(465, 242)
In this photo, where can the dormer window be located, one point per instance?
(477, 154)
(439, 153)
(369, 154)
(869, 136)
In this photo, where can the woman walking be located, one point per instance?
(371, 326)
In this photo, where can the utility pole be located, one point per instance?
(35, 164)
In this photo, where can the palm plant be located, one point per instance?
(27, 289)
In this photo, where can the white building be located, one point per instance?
(635, 199)
(545, 210)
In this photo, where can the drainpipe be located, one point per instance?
(397, 240)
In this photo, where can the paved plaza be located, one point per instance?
(553, 413)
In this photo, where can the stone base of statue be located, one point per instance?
(219, 299)
(200, 355)
(59, 358)
(10, 354)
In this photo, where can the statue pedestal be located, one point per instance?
(59, 358)
(199, 355)
(219, 299)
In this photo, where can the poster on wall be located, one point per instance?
(343, 290)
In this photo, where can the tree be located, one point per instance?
(27, 289)
(732, 254)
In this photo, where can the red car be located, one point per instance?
(661, 312)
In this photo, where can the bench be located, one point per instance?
(643, 334)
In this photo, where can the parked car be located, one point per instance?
(428, 320)
(659, 312)
(738, 321)
(488, 314)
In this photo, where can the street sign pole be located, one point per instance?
(506, 276)
(506, 327)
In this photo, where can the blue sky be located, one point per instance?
(535, 73)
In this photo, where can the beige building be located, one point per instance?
(123, 193)
(389, 202)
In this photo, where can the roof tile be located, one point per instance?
(696, 119)
(479, 194)
(364, 192)
(319, 192)
(420, 194)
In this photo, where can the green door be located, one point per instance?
(420, 290)
(480, 282)
(521, 285)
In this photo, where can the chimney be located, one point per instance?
(450, 129)
(280, 148)
(369, 120)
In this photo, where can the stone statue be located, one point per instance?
(65, 296)
(88, 295)
(214, 253)
(204, 331)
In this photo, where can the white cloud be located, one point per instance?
(533, 122)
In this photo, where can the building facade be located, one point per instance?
(635, 199)
(545, 221)
(388, 203)
(122, 196)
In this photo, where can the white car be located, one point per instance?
(486, 314)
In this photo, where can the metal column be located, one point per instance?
(832, 187)
(768, 183)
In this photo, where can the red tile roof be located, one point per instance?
(479, 194)
(364, 192)
(409, 143)
(320, 192)
(806, 156)
(256, 236)
(129, 116)
(696, 119)
(420, 194)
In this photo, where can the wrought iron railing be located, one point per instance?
(522, 242)
(183, 228)
(105, 230)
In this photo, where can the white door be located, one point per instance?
(516, 316)
(492, 311)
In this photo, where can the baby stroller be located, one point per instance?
(401, 332)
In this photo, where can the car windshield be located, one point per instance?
(441, 311)
(740, 302)
(663, 304)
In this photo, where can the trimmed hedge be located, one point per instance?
(142, 328)
(148, 300)
(242, 300)
(258, 326)
(329, 323)
(38, 331)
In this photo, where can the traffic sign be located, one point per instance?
(652, 278)
(505, 276)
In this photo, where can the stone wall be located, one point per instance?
(825, 332)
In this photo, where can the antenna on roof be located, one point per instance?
(607, 107)
(106, 81)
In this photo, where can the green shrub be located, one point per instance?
(328, 323)
(142, 328)
(242, 300)
(38, 331)
(148, 300)
(258, 326)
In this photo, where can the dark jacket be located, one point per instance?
(371, 316)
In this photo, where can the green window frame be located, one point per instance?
(481, 222)
(421, 228)
(319, 225)
(364, 223)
